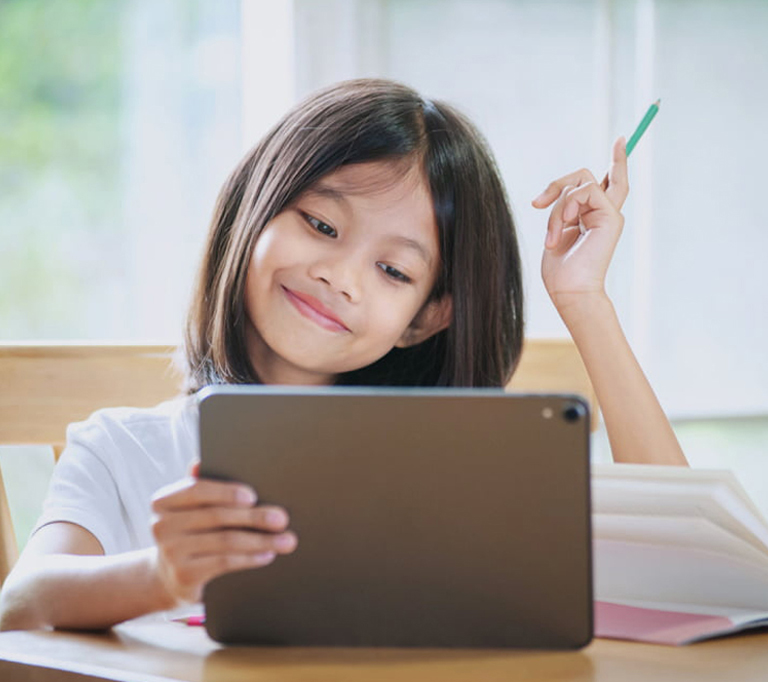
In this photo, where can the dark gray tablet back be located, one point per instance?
(431, 518)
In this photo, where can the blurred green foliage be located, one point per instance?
(60, 135)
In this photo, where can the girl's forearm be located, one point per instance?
(638, 429)
(82, 592)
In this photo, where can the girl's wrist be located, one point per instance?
(161, 595)
(579, 307)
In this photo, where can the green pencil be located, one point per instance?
(641, 128)
(652, 111)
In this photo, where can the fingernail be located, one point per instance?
(276, 518)
(245, 496)
(285, 542)
(264, 557)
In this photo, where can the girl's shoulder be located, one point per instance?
(114, 461)
(170, 426)
(135, 417)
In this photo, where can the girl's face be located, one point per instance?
(342, 276)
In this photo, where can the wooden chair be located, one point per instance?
(45, 387)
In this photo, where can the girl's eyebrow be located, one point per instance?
(415, 245)
(328, 192)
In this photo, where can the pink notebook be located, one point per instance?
(656, 626)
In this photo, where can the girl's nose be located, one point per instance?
(340, 273)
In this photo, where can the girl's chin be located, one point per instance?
(293, 371)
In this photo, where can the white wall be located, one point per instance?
(551, 83)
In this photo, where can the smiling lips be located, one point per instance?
(313, 310)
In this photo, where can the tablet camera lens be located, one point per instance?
(572, 412)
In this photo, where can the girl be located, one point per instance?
(366, 239)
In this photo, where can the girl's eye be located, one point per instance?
(320, 226)
(394, 273)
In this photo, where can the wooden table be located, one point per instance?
(151, 651)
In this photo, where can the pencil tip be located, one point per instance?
(658, 102)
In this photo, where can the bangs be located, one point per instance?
(379, 178)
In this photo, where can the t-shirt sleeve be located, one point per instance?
(83, 490)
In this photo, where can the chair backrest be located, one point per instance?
(553, 366)
(45, 387)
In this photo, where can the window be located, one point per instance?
(120, 121)
(122, 118)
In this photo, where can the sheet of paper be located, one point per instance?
(713, 501)
(676, 531)
(643, 572)
(607, 471)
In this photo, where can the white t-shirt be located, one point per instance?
(112, 465)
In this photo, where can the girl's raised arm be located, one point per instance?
(583, 229)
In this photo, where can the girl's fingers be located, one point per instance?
(191, 576)
(618, 177)
(556, 187)
(582, 199)
(615, 183)
(590, 206)
(567, 239)
(240, 542)
(263, 518)
(558, 221)
(210, 567)
(188, 561)
(578, 206)
(190, 493)
(204, 528)
(185, 580)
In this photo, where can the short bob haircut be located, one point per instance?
(354, 122)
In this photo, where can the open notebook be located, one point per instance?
(680, 555)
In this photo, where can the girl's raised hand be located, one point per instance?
(206, 528)
(583, 229)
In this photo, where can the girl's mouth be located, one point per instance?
(313, 310)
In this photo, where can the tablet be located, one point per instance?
(425, 517)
